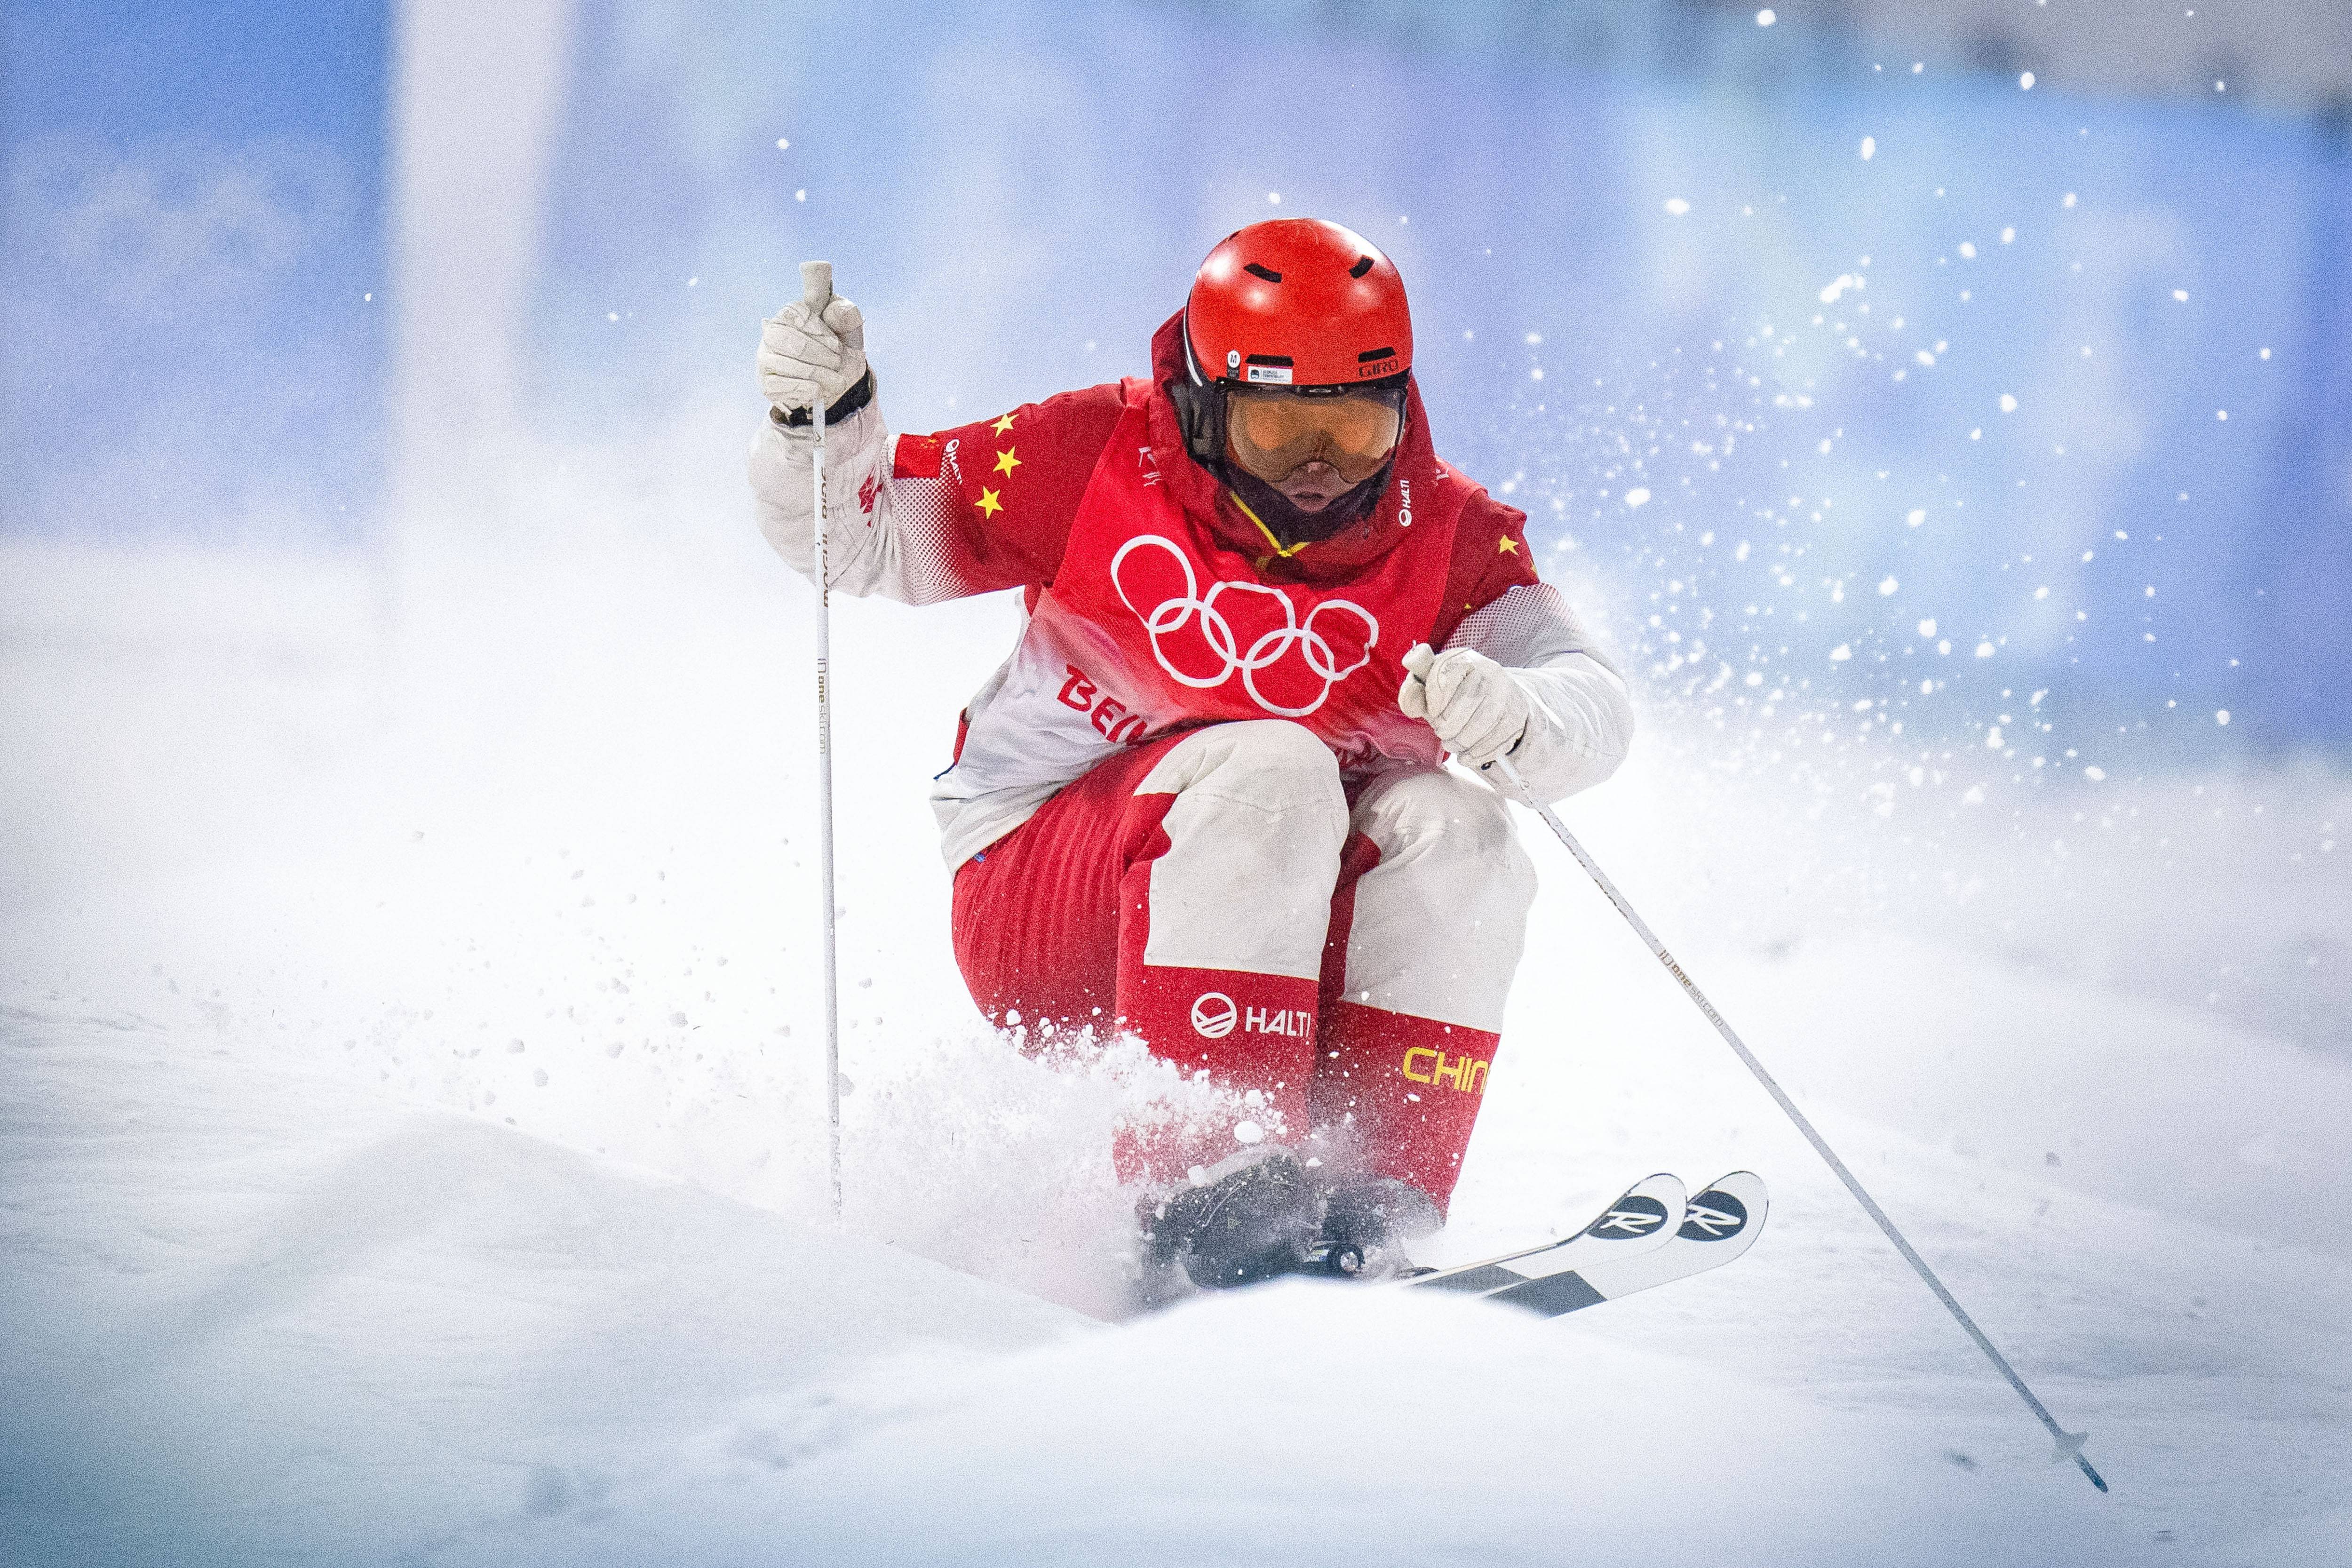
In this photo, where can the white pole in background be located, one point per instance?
(816, 292)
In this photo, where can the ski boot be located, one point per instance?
(1366, 1220)
(1250, 1216)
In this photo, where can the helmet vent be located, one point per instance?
(1257, 270)
(1372, 356)
(1363, 265)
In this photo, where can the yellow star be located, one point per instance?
(1508, 546)
(1006, 462)
(988, 501)
(1001, 425)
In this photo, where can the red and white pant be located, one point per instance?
(1346, 951)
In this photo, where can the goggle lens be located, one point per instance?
(1274, 434)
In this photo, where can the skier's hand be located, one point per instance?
(1472, 703)
(805, 357)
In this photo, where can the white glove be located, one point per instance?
(805, 358)
(1472, 703)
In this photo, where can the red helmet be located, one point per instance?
(1296, 301)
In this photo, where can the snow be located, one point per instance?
(307, 1262)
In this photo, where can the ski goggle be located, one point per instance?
(1274, 432)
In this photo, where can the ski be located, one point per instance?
(1718, 1225)
(1640, 1221)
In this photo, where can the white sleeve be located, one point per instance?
(867, 541)
(1583, 722)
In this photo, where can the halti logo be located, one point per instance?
(1713, 1217)
(1318, 668)
(1634, 1217)
(1214, 1014)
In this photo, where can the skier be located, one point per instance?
(1205, 801)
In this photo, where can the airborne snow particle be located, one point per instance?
(2221, 414)
(2181, 295)
(1928, 629)
(2026, 80)
(1924, 357)
(1968, 250)
(1869, 148)
(2094, 774)
(801, 194)
(1274, 198)
(1984, 650)
(2221, 716)
(1248, 1132)
(1888, 585)
(782, 144)
(1637, 496)
(1765, 19)
(1841, 653)
(2007, 402)
(1677, 206)
(1916, 516)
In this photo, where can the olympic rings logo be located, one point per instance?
(1266, 650)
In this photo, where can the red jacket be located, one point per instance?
(1155, 600)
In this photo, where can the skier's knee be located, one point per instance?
(1270, 763)
(1460, 825)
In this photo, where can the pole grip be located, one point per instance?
(816, 285)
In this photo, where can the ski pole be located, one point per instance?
(2070, 1444)
(816, 292)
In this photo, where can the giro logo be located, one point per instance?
(1713, 1217)
(1633, 1217)
(1287, 667)
(1214, 1014)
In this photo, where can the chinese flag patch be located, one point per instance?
(918, 458)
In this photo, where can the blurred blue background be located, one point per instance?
(1792, 338)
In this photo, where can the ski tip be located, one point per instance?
(1732, 1204)
(1648, 1208)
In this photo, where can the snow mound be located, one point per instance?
(1320, 1424)
(252, 1315)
